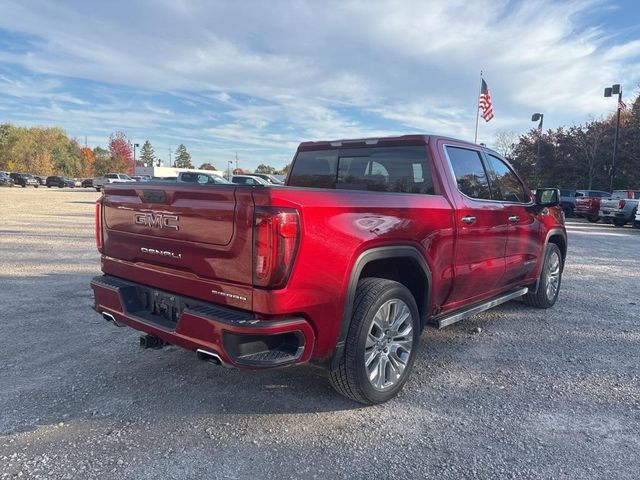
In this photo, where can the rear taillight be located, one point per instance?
(276, 233)
(99, 225)
(621, 204)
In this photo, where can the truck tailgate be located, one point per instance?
(165, 232)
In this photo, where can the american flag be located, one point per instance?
(622, 105)
(484, 103)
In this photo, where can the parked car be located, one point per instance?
(378, 239)
(568, 201)
(202, 178)
(621, 208)
(588, 204)
(42, 180)
(107, 178)
(24, 180)
(60, 182)
(248, 180)
(87, 183)
(268, 178)
(6, 180)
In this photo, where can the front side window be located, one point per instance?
(469, 172)
(505, 185)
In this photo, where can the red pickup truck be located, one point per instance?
(370, 241)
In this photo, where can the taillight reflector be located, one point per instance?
(621, 204)
(276, 237)
(99, 225)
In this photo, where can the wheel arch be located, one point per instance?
(408, 267)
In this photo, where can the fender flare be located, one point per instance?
(376, 253)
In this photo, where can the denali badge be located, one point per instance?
(162, 253)
(156, 220)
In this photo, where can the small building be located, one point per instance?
(172, 171)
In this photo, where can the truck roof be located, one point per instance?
(390, 141)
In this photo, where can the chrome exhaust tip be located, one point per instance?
(110, 318)
(210, 357)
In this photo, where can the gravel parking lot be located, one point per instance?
(511, 393)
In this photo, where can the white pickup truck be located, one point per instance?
(98, 182)
(621, 208)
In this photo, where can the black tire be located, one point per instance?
(592, 218)
(97, 189)
(36, 186)
(60, 186)
(636, 224)
(350, 377)
(544, 298)
(619, 223)
(568, 212)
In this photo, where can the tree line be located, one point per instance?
(579, 156)
(49, 151)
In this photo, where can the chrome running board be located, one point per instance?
(458, 315)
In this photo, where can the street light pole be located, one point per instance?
(534, 118)
(612, 90)
(135, 145)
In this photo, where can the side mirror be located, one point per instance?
(547, 197)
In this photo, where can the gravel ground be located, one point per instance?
(510, 393)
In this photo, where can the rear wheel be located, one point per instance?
(97, 189)
(549, 281)
(593, 218)
(619, 223)
(636, 224)
(381, 343)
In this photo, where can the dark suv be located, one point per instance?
(24, 179)
(60, 182)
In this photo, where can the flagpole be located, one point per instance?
(475, 138)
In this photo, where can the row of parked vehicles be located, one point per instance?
(27, 180)
(24, 180)
(618, 208)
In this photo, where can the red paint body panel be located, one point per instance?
(211, 256)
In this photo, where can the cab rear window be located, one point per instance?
(378, 169)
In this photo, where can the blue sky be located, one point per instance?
(257, 78)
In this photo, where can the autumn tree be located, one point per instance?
(121, 153)
(147, 155)
(183, 157)
(207, 166)
(87, 162)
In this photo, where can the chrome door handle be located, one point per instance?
(514, 218)
(468, 219)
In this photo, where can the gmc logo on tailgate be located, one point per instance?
(156, 220)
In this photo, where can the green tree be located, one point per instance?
(147, 155)
(105, 163)
(183, 157)
(262, 168)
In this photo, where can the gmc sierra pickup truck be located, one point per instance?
(369, 242)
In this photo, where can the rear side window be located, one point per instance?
(378, 169)
(505, 185)
(469, 172)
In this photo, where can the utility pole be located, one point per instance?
(612, 90)
(534, 118)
